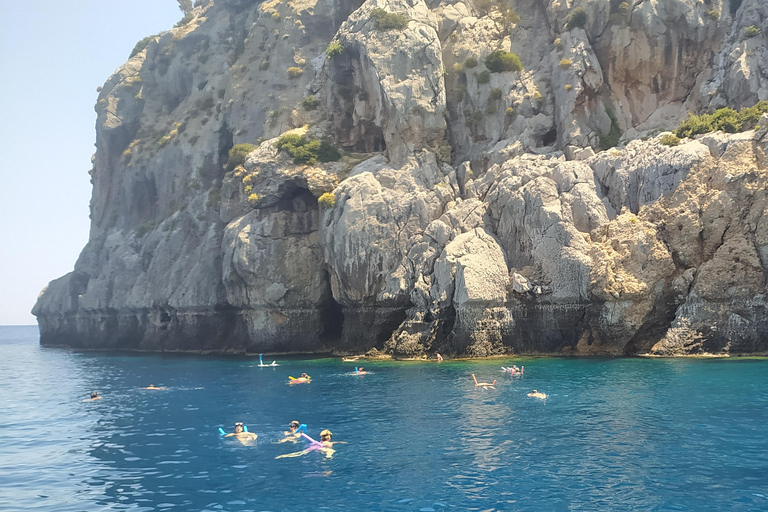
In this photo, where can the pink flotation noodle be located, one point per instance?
(315, 444)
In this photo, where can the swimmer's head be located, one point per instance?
(304, 376)
(325, 435)
(238, 427)
(361, 369)
(294, 425)
(94, 395)
(535, 391)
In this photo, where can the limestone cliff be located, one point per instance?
(474, 210)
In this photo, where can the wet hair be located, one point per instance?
(94, 394)
(294, 424)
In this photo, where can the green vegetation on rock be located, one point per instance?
(310, 103)
(142, 44)
(670, 140)
(384, 20)
(327, 200)
(305, 151)
(183, 21)
(470, 63)
(577, 18)
(237, 155)
(751, 31)
(334, 49)
(484, 77)
(500, 61)
(725, 119)
(294, 72)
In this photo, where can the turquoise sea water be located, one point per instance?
(614, 434)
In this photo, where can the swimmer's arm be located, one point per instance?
(294, 454)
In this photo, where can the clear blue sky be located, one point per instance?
(53, 55)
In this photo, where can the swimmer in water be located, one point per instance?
(304, 379)
(94, 396)
(291, 436)
(152, 386)
(325, 447)
(537, 394)
(484, 385)
(241, 435)
(360, 371)
(350, 359)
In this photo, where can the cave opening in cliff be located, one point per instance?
(332, 319)
(550, 137)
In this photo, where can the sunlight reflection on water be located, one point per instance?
(623, 434)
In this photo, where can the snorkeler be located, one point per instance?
(484, 385)
(152, 386)
(360, 371)
(94, 396)
(537, 394)
(325, 446)
(291, 435)
(304, 379)
(242, 435)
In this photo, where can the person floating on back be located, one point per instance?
(241, 434)
(324, 446)
(484, 385)
(152, 386)
(304, 379)
(537, 394)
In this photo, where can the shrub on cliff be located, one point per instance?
(384, 20)
(142, 44)
(305, 151)
(294, 72)
(751, 31)
(310, 102)
(725, 119)
(327, 200)
(500, 61)
(577, 18)
(334, 49)
(237, 155)
(670, 140)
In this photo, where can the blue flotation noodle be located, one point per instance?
(302, 428)
(260, 361)
(245, 428)
(356, 370)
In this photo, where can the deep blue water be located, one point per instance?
(614, 434)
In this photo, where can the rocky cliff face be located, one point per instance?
(473, 212)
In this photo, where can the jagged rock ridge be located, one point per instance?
(474, 212)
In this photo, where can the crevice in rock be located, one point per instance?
(332, 317)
